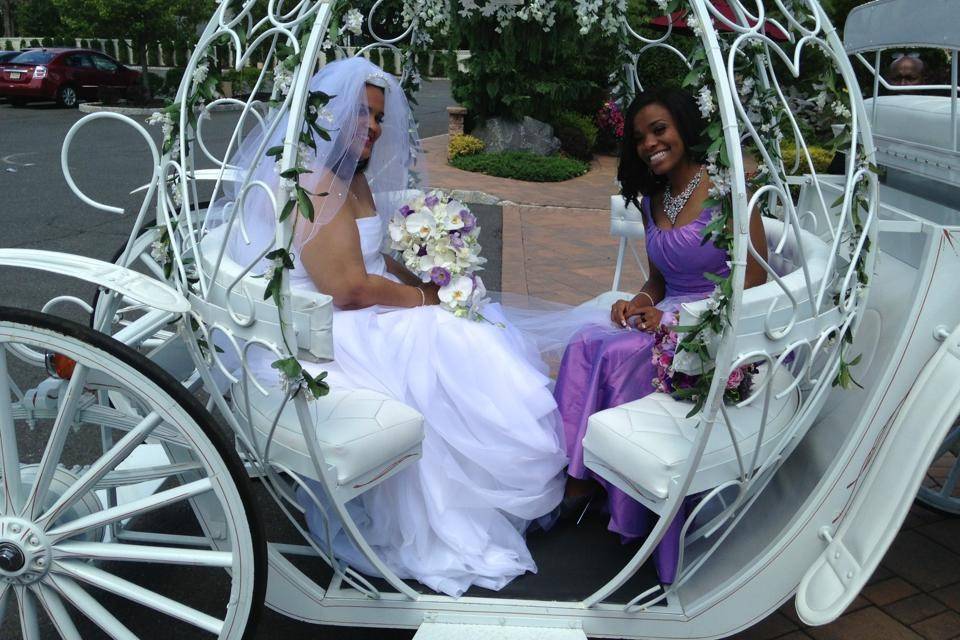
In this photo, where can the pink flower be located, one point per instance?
(665, 360)
(736, 377)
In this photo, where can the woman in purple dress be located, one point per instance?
(605, 366)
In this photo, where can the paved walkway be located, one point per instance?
(556, 245)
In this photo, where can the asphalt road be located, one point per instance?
(108, 159)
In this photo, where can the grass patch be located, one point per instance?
(521, 165)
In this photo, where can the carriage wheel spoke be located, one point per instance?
(58, 613)
(27, 607)
(100, 468)
(58, 438)
(5, 590)
(95, 611)
(143, 553)
(9, 454)
(129, 509)
(135, 593)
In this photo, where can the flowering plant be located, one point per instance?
(610, 119)
(437, 238)
(684, 386)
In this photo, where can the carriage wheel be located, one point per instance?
(941, 487)
(123, 509)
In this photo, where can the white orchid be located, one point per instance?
(457, 293)
(421, 224)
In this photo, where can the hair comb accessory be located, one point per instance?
(377, 79)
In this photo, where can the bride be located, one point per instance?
(493, 452)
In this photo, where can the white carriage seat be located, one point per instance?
(626, 223)
(364, 436)
(768, 311)
(642, 446)
(312, 311)
(918, 119)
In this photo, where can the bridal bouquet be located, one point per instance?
(437, 238)
(684, 386)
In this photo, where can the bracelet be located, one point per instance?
(423, 296)
(649, 297)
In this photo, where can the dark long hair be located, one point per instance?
(634, 175)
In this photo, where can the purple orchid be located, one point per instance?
(440, 276)
(431, 200)
(422, 251)
(405, 211)
(469, 221)
(456, 241)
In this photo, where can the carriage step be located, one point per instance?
(455, 631)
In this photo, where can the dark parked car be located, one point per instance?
(6, 55)
(64, 75)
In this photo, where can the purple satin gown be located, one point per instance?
(605, 366)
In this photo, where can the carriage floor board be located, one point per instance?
(449, 631)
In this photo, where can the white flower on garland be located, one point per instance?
(662, 5)
(287, 183)
(705, 101)
(840, 109)
(160, 251)
(353, 22)
(693, 23)
(282, 79)
(164, 120)
(201, 72)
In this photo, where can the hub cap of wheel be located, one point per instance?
(11, 558)
(24, 552)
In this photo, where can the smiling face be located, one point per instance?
(370, 122)
(658, 140)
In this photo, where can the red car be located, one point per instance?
(64, 75)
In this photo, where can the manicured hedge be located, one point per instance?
(523, 166)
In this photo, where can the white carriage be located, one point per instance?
(802, 485)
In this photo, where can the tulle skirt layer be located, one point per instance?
(493, 450)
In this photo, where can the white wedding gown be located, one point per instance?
(493, 454)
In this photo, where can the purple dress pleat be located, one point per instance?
(605, 366)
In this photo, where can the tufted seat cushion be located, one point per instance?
(642, 446)
(363, 435)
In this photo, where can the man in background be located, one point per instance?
(905, 70)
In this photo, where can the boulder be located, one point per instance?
(500, 134)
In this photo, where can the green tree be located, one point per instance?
(526, 71)
(142, 22)
(40, 18)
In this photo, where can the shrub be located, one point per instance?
(573, 142)
(577, 134)
(521, 165)
(84, 44)
(7, 45)
(581, 122)
(155, 82)
(46, 42)
(389, 58)
(171, 81)
(821, 158)
(34, 43)
(464, 145)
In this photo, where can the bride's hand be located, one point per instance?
(431, 293)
